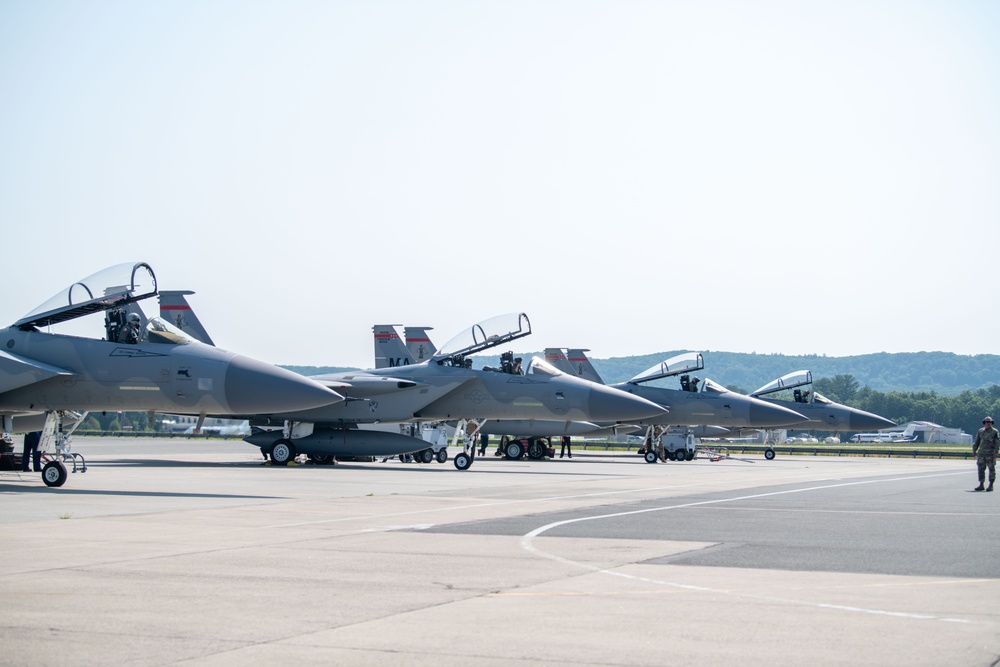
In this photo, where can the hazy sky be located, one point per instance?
(793, 177)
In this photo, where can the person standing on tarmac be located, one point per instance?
(31, 454)
(985, 449)
(566, 449)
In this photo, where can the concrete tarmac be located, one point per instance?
(191, 552)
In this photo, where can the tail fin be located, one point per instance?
(175, 309)
(389, 349)
(555, 356)
(582, 366)
(418, 344)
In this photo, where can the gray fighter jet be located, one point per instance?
(444, 388)
(697, 404)
(575, 362)
(156, 367)
(518, 437)
(822, 413)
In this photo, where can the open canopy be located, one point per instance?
(114, 286)
(682, 363)
(489, 333)
(795, 379)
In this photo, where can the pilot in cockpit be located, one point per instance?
(129, 334)
(517, 370)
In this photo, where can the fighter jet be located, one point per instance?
(538, 433)
(444, 388)
(822, 413)
(158, 368)
(697, 402)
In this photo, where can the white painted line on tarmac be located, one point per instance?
(526, 543)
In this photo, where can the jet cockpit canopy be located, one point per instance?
(538, 366)
(790, 381)
(112, 287)
(682, 363)
(158, 330)
(712, 386)
(482, 336)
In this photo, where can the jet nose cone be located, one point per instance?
(254, 387)
(768, 415)
(866, 421)
(612, 405)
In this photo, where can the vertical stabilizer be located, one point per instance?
(419, 344)
(175, 309)
(556, 357)
(389, 348)
(582, 366)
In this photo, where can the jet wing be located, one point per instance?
(17, 372)
(363, 386)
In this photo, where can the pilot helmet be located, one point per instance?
(133, 318)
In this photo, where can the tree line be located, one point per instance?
(965, 411)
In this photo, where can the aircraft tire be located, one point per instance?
(463, 461)
(321, 459)
(54, 473)
(442, 455)
(425, 456)
(769, 454)
(650, 456)
(282, 452)
(536, 451)
(514, 450)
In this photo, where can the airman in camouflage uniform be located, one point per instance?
(985, 449)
